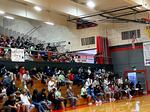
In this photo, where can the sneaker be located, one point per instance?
(110, 99)
(113, 99)
(96, 102)
(130, 97)
(89, 104)
(100, 102)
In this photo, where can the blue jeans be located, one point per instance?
(38, 106)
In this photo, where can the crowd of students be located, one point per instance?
(21, 43)
(38, 51)
(98, 86)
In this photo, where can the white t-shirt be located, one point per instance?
(51, 85)
(106, 82)
(26, 77)
(25, 99)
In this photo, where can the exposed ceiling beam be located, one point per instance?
(145, 3)
(107, 12)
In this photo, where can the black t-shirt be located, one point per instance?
(51, 96)
(11, 103)
(42, 96)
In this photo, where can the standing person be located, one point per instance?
(36, 102)
(71, 97)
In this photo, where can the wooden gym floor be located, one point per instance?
(143, 105)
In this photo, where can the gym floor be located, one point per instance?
(138, 104)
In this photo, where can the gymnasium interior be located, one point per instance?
(74, 55)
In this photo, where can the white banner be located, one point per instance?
(17, 55)
(146, 52)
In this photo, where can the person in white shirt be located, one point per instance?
(106, 82)
(96, 82)
(120, 81)
(51, 85)
(88, 82)
(26, 79)
(25, 101)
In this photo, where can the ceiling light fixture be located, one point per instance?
(49, 23)
(9, 17)
(37, 8)
(90, 4)
(2, 12)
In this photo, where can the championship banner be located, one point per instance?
(147, 31)
(146, 52)
(17, 55)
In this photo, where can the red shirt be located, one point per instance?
(71, 77)
(22, 71)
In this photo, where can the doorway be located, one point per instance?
(138, 75)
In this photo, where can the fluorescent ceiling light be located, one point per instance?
(49, 23)
(37, 8)
(2, 12)
(90, 4)
(9, 17)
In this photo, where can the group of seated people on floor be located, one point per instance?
(98, 86)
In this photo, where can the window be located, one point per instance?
(131, 34)
(87, 41)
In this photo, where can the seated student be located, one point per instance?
(97, 90)
(6, 80)
(139, 87)
(11, 89)
(36, 102)
(112, 91)
(25, 101)
(88, 82)
(10, 105)
(26, 79)
(43, 99)
(51, 84)
(71, 96)
(70, 76)
(51, 96)
(90, 93)
(59, 100)
(83, 92)
(2, 91)
(43, 78)
(107, 93)
(21, 72)
(78, 80)
(61, 78)
(127, 88)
